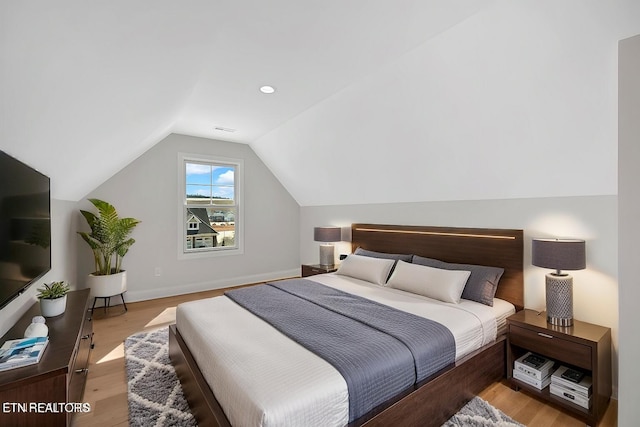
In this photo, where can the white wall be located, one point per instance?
(629, 213)
(147, 189)
(63, 263)
(593, 218)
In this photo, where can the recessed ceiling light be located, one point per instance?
(267, 89)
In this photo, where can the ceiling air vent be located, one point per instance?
(223, 129)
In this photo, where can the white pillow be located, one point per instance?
(374, 270)
(436, 283)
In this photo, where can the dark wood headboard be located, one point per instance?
(482, 246)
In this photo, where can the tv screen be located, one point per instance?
(25, 227)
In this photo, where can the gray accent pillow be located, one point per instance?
(482, 284)
(373, 254)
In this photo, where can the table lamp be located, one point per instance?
(559, 254)
(327, 235)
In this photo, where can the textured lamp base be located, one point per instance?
(559, 293)
(327, 256)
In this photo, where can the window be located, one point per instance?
(210, 206)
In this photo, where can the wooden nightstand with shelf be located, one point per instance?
(584, 346)
(313, 269)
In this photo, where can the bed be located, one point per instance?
(433, 399)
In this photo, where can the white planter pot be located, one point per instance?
(107, 286)
(53, 307)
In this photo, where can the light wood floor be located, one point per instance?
(106, 388)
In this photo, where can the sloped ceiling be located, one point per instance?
(386, 100)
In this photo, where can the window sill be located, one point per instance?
(209, 254)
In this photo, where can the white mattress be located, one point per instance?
(262, 378)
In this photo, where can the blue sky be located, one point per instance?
(208, 180)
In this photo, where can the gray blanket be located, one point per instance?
(380, 351)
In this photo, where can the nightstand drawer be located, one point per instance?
(552, 346)
(310, 271)
(313, 269)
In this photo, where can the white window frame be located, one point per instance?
(238, 249)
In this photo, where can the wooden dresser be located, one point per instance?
(51, 390)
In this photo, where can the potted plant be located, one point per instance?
(53, 298)
(109, 240)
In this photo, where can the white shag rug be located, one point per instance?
(479, 413)
(154, 392)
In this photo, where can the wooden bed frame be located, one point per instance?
(433, 401)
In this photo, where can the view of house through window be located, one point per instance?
(210, 206)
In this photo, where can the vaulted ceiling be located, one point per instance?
(403, 100)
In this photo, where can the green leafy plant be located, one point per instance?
(109, 238)
(54, 290)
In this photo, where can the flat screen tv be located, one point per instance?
(25, 227)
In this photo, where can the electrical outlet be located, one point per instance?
(158, 272)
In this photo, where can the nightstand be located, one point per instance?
(313, 269)
(584, 346)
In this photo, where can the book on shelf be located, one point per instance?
(534, 365)
(561, 378)
(532, 381)
(22, 352)
(570, 395)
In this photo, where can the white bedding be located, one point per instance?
(262, 378)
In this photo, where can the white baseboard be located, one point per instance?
(133, 295)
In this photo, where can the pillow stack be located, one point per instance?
(429, 277)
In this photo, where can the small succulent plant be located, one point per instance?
(53, 290)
